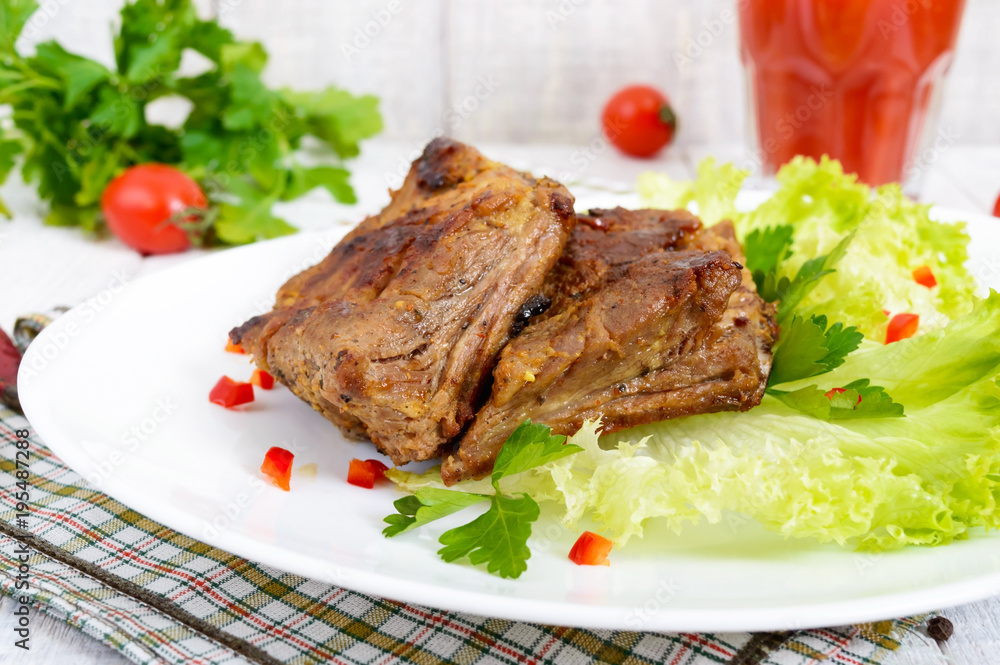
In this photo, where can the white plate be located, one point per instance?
(118, 388)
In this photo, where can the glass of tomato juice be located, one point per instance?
(858, 80)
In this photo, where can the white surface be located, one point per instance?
(147, 356)
(962, 177)
(554, 75)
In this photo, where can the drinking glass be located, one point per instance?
(858, 80)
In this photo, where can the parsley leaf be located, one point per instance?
(857, 399)
(426, 505)
(80, 75)
(840, 342)
(13, 15)
(765, 249)
(498, 537)
(529, 445)
(79, 124)
(330, 178)
(9, 150)
(807, 347)
(790, 292)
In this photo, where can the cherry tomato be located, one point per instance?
(138, 206)
(638, 120)
(996, 208)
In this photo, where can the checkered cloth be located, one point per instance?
(159, 597)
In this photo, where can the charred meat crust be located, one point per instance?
(394, 334)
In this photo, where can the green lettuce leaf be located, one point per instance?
(892, 236)
(713, 192)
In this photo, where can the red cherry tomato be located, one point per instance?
(996, 208)
(139, 204)
(638, 120)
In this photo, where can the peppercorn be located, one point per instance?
(940, 628)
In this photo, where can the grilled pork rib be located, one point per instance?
(652, 319)
(394, 334)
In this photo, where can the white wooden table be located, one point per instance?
(44, 267)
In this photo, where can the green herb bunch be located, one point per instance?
(78, 124)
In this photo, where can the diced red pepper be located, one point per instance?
(278, 466)
(887, 312)
(591, 549)
(902, 326)
(838, 391)
(924, 277)
(262, 379)
(229, 393)
(234, 348)
(365, 473)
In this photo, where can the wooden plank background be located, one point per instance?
(526, 70)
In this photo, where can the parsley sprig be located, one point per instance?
(808, 346)
(498, 537)
(858, 399)
(78, 123)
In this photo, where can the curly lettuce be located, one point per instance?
(892, 236)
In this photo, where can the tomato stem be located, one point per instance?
(195, 222)
(668, 117)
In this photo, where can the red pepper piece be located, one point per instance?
(262, 379)
(902, 326)
(234, 348)
(838, 391)
(278, 466)
(924, 277)
(591, 549)
(229, 393)
(365, 473)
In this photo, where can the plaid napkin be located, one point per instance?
(159, 597)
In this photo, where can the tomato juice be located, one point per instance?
(858, 80)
